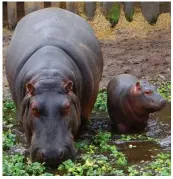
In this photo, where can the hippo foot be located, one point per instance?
(82, 128)
(125, 129)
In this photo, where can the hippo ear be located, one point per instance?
(30, 88)
(69, 86)
(138, 87)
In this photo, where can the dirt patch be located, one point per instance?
(6, 40)
(148, 57)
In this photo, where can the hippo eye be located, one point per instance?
(65, 109)
(35, 112)
(148, 92)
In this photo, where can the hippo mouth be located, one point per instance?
(52, 161)
(158, 108)
(34, 155)
(66, 155)
(162, 104)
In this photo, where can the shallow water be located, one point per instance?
(138, 151)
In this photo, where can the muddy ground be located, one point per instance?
(148, 56)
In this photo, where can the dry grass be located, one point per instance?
(80, 7)
(138, 27)
(101, 25)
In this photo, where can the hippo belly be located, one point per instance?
(53, 58)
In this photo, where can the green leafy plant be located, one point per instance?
(160, 166)
(9, 110)
(15, 165)
(97, 158)
(8, 140)
(8, 104)
(101, 102)
(165, 90)
(102, 137)
(137, 137)
(114, 14)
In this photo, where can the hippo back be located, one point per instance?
(59, 28)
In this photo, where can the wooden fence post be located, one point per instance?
(165, 7)
(150, 11)
(106, 7)
(129, 10)
(71, 6)
(56, 4)
(39, 5)
(112, 12)
(32, 6)
(12, 14)
(90, 8)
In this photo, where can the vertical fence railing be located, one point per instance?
(150, 10)
(32, 6)
(90, 8)
(11, 14)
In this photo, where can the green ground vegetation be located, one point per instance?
(97, 156)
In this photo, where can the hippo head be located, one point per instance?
(51, 119)
(147, 98)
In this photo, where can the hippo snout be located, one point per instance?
(52, 157)
(159, 105)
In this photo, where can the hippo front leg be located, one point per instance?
(118, 128)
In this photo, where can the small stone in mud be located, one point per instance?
(18, 149)
(166, 141)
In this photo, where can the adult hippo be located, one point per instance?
(130, 101)
(54, 65)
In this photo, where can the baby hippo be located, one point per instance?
(130, 101)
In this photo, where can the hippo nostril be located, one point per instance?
(61, 154)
